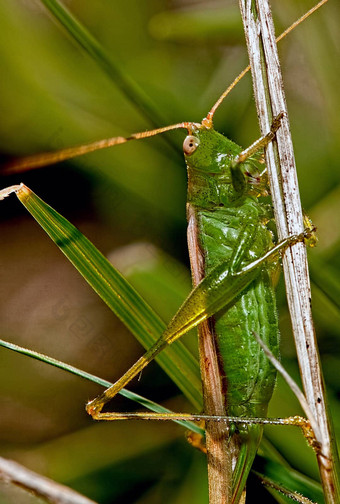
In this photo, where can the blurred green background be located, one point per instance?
(130, 201)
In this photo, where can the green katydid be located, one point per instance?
(229, 213)
(241, 265)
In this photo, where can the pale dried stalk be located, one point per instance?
(270, 101)
(14, 473)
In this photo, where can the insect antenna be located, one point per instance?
(49, 158)
(208, 121)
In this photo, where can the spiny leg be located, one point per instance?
(239, 178)
(293, 421)
(215, 291)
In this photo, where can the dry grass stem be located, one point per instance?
(270, 101)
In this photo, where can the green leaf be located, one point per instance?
(151, 405)
(274, 468)
(117, 293)
(289, 480)
(216, 25)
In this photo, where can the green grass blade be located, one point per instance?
(151, 405)
(89, 43)
(197, 25)
(289, 479)
(267, 468)
(117, 293)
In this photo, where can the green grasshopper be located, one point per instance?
(233, 258)
(234, 286)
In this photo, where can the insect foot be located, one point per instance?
(307, 236)
(94, 408)
(307, 430)
(277, 122)
(311, 240)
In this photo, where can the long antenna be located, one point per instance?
(208, 120)
(48, 158)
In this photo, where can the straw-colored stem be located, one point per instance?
(270, 101)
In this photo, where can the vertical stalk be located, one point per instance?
(270, 101)
(219, 457)
(38, 485)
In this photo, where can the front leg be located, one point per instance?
(239, 178)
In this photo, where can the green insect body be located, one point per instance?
(234, 285)
(232, 227)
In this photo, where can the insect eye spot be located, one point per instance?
(190, 144)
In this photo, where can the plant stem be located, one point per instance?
(218, 452)
(270, 101)
(53, 492)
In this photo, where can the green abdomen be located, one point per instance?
(249, 377)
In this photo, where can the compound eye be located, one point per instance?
(190, 144)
